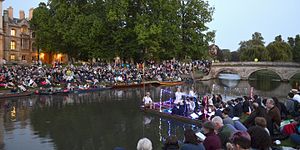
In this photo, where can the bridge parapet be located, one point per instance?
(281, 64)
(286, 70)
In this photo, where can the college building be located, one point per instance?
(17, 40)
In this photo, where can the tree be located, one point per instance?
(130, 29)
(279, 50)
(235, 56)
(295, 44)
(226, 54)
(194, 15)
(41, 24)
(253, 49)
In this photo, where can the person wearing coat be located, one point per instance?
(212, 140)
(274, 117)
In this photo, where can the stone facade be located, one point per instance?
(17, 40)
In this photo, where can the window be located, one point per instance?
(33, 34)
(23, 57)
(25, 43)
(13, 45)
(13, 32)
(24, 29)
(12, 57)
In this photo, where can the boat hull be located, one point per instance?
(11, 95)
(118, 86)
(171, 116)
(91, 90)
(171, 83)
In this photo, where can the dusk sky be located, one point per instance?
(234, 20)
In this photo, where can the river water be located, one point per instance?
(104, 120)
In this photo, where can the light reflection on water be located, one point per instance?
(99, 120)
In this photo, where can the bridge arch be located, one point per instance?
(293, 74)
(285, 70)
(231, 70)
(261, 69)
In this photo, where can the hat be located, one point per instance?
(209, 125)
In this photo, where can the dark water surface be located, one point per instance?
(102, 120)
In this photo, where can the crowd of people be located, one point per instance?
(237, 124)
(23, 77)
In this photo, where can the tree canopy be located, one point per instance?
(130, 29)
(295, 44)
(254, 49)
(278, 50)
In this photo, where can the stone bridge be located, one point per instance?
(285, 70)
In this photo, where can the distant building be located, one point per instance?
(17, 40)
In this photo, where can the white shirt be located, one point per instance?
(192, 105)
(210, 101)
(147, 100)
(192, 93)
(178, 97)
(297, 98)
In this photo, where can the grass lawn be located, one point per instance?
(287, 143)
(3, 89)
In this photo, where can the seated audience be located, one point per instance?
(260, 138)
(171, 143)
(191, 142)
(240, 140)
(212, 141)
(144, 144)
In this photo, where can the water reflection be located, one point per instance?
(16, 132)
(229, 83)
(265, 85)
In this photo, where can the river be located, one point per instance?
(104, 120)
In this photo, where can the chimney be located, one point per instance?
(30, 13)
(1, 18)
(10, 12)
(22, 14)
